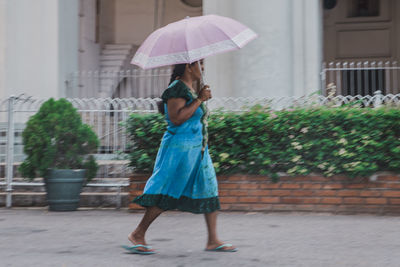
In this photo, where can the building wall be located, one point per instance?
(2, 47)
(107, 22)
(364, 38)
(48, 40)
(42, 43)
(136, 19)
(284, 61)
(173, 10)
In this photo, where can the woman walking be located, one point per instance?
(183, 177)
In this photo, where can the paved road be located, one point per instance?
(36, 237)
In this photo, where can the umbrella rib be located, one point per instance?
(223, 32)
(186, 41)
(155, 41)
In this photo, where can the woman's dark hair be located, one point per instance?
(178, 71)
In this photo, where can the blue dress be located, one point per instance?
(183, 177)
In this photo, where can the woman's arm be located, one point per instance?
(178, 111)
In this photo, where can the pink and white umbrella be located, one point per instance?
(190, 40)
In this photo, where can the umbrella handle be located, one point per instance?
(201, 78)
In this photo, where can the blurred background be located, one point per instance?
(340, 55)
(81, 50)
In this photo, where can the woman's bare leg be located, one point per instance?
(137, 236)
(213, 241)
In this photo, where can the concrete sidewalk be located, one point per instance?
(36, 237)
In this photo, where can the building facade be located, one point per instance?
(44, 42)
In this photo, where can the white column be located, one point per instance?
(306, 46)
(283, 61)
(218, 69)
(68, 43)
(32, 48)
(42, 40)
(262, 68)
(397, 34)
(315, 45)
(89, 50)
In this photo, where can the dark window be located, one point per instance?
(193, 3)
(364, 8)
(330, 4)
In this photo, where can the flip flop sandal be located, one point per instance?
(134, 250)
(221, 248)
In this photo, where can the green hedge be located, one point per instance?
(342, 140)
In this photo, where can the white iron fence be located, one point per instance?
(361, 77)
(106, 116)
(127, 83)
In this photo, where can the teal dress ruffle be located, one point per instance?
(183, 177)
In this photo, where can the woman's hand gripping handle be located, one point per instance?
(205, 93)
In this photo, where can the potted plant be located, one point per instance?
(57, 145)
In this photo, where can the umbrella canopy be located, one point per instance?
(190, 40)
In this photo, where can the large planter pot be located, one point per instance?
(63, 189)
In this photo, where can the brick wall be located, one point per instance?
(314, 193)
